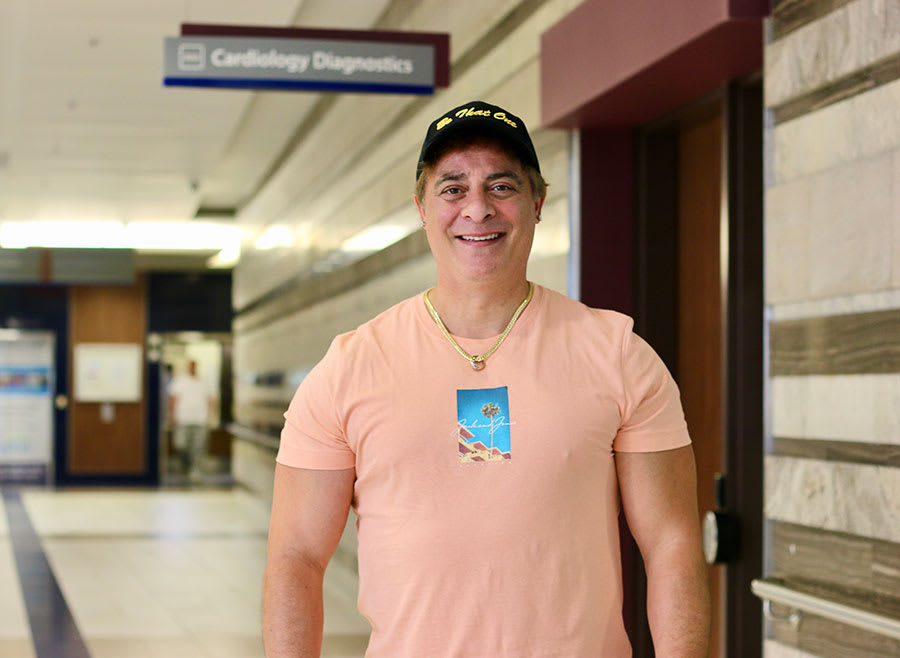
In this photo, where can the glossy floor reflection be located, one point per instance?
(147, 574)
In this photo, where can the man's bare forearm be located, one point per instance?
(292, 609)
(678, 604)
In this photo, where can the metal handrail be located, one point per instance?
(253, 436)
(771, 592)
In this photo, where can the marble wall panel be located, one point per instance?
(895, 222)
(853, 570)
(819, 636)
(846, 40)
(857, 452)
(850, 215)
(825, 233)
(832, 218)
(858, 128)
(862, 408)
(840, 305)
(787, 242)
(861, 343)
(852, 498)
(788, 16)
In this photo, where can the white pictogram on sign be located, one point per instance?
(191, 56)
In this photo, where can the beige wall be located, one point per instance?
(832, 482)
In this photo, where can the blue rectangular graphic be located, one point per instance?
(26, 380)
(483, 424)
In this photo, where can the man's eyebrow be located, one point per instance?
(459, 176)
(451, 176)
(505, 174)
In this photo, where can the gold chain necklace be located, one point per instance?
(477, 360)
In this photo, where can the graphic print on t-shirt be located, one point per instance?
(483, 423)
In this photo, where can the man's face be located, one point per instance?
(479, 214)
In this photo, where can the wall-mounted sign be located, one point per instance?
(79, 266)
(108, 372)
(20, 265)
(98, 266)
(312, 60)
(27, 382)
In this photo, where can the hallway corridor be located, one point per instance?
(144, 574)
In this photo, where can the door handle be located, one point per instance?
(721, 539)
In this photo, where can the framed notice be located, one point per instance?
(108, 372)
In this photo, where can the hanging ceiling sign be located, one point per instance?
(303, 59)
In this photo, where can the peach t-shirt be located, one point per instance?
(487, 501)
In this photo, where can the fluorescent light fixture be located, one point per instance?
(181, 236)
(98, 234)
(277, 235)
(144, 236)
(228, 257)
(378, 236)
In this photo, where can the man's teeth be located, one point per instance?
(479, 238)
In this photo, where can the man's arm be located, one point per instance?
(659, 496)
(309, 511)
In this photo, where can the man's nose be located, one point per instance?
(479, 206)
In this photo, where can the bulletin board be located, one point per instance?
(108, 372)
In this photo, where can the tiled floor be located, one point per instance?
(174, 574)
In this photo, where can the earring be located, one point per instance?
(538, 220)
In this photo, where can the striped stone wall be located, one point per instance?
(832, 472)
(353, 166)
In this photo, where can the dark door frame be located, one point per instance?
(655, 310)
(745, 353)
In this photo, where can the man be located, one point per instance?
(189, 403)
(485, 432)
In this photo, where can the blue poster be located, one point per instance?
(483, 423)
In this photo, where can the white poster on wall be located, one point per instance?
(26, 396)
(108, 372)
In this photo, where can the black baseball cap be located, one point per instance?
(481, 118)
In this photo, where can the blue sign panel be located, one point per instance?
(306, 64)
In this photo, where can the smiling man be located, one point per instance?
(486, 432)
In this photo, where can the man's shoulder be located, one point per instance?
(390, 323)
(559, 305)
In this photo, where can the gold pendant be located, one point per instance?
(477, 365)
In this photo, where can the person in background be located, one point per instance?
(189, 411)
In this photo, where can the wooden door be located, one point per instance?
(700, 316)
(104, 447)
(698, 301)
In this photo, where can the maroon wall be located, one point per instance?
(623, 62)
